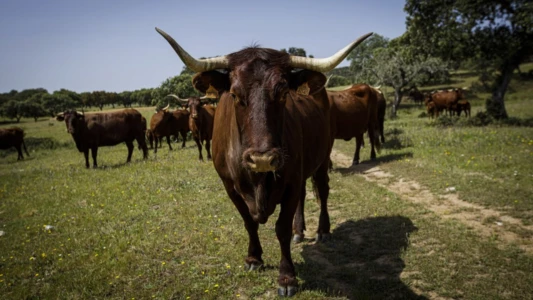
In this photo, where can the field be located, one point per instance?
(445, 213)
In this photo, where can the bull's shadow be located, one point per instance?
(361, 261)
(367, 165)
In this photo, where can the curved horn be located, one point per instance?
(325, 64)
(166, 107)
(201, 65)
(327, 81)
(184, 101)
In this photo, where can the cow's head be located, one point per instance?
(193, 104)
(73, 120)
(259, 81)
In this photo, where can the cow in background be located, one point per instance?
(200, 122)
(93, 130)
(445, 100)
(165, 123)
(271, 132)
(354, 111)
(13, 137)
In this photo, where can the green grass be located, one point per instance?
(164, 228)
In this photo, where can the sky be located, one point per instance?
(113, 46)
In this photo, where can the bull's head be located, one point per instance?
(258, 82)
(72, 118)
(193, 104)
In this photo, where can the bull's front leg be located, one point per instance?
(288, 284)
(199, 145)
(254, 259)
(94, 152)
(86, 154)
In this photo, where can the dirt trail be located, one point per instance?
(447, 206)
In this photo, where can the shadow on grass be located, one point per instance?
(361, 261)
(367, 165)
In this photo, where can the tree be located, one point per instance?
(180, 85)
(395, 68)
(12, 109)
(497, 34)
(57, 102)
(295, 51)
(33, 108)
(362, 57)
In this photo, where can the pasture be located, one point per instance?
(164, 228)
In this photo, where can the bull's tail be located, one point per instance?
(377, 141)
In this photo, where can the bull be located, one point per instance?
(94, 130)
(13, 137)
(271, 132)
(446, 100)
(353, 112)
(164, 124)
(200, 122)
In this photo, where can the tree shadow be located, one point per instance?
(367, 165)
(361, 261)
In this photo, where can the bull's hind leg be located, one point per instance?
(86, 155)
(19, 150)
(141, 143)
(254, 259)
(321, 188)
(298, 225)
(208, 149)
(184, 137)
(130, 146)
(94, 152)
(372, 140)
(168, 142)
(358, 143)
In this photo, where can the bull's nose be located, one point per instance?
(194, 116)
(262, 162)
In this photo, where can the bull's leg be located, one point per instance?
(86, 154)
(141, 141)
(199, 145)
(19, 150)
(130, 146)
(288, 284)
(94, 152)
(298, 226)
(208, 149)
(184, 137)
(25, 150)
(358, 142)
(156, 138)
(372, 140)
(254, 259)
(381, 130)
(168, 142)
(321, 188)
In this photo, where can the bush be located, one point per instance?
(337, 80)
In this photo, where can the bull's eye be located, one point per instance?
(236, 99)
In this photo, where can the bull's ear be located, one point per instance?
(60, 117)
(219, 81)
(307, 82)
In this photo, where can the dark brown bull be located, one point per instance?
(353, 112)
(417, 96)
(164, 124)
(271, 133)
(200, 122)
(446, 100)
(94, 130)
(461, 106)
(13, 137)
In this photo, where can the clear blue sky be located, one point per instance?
(112, 45)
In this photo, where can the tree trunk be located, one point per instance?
(397, 101)
(496, 105)
(101, 106)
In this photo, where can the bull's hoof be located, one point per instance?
(322, 237)
(288, 291)
(297, 238)
(253, 266)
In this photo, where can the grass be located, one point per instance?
(164, 228)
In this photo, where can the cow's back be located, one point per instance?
(109, 129)
(11, 137)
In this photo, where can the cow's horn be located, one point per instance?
(325, 64)
(327, 81)
(201, 65)
(184, 101)
(80, 112)
(166, 107)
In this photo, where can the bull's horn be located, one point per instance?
(80, 112)
(201, 65)
(325, 64)
(166, 107)
(184, 101)
(327, 81)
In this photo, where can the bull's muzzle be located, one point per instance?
(267, 162)
(194, 116)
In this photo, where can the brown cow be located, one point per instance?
(165, 124)
(200, 122)
(13, 137)
(445, 100)
(94, 130)
(432, 110)
(271, 133)
(461, 106)
(353, 112)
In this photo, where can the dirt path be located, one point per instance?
(447, 206)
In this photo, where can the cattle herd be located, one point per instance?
(273, 127)
(451, 101)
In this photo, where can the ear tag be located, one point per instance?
(303, 89)
(211, 92)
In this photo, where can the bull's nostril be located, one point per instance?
(248, 158)
(274, 161)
